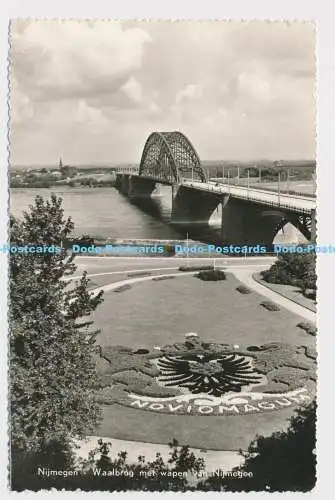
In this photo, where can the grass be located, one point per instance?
(162, 313)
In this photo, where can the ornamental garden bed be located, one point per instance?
(140, 391)
(122, 288)
(162, 278)
(307, 327)
(244, 290)
(269, 305)
(211, 275)
(195, 268)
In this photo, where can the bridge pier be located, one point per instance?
(140, 187)
(125, 184)
(191, 206)
(134, 186)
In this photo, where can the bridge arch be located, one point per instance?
(169, 157)
(272, 221)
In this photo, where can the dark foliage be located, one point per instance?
(52, 343)
(285, 461)
(103, 472)
(212, 275)
(243, 289)
(293, 269)
(270, 306)
(196, 268)
(308, 327)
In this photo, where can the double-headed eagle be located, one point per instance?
(207, 373)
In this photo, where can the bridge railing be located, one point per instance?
(127, 170)
(263, 187)
(250, 197)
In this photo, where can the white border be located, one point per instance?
(318, 10)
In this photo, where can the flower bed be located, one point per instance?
(196, 268)
(122, 288)
(162, 278)
(212, 275)
(308, 327)
(270, 306)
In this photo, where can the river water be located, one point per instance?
(105, 213)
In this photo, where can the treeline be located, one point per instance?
(267, 173)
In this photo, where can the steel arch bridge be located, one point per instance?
(169, 157)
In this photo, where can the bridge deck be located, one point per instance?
(289, 201)
(293, 202)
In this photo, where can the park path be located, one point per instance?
(246, 277)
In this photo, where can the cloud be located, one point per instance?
(132, 88)
(190, 92)
(21, 106)
(62, 59)
(96, 89)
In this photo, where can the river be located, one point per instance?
(105, 213)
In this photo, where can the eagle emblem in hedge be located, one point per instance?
(207, 373)
(197, 377)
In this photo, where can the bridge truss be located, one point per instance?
(170, 157)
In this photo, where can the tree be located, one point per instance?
(284, 461)
(52, 344)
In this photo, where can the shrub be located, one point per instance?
(243, 289)
(284, 461)
(196, 268)
(141, 351)
(293, 269)
(139, 273)
(308, 327)
(122, 288)
(270, 306)
(310, 293)
(161, 278)
(212, 275)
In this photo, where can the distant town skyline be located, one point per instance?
(92, 91)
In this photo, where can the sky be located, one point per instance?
(92, 91)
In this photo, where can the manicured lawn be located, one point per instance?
(161, 312)
(213, 433)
